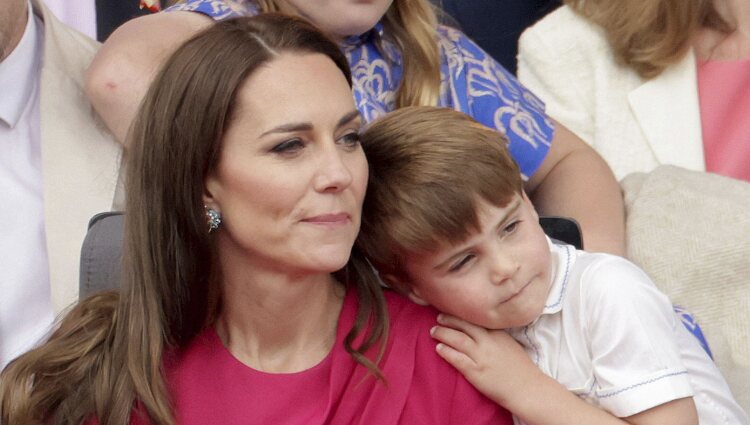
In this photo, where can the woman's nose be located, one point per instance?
(333, 173)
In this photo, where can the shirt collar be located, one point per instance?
(354, 41)
(23, 61)
(563, 257)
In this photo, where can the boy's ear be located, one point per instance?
(396, 283)
(416, 297)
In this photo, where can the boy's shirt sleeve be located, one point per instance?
(630, 326)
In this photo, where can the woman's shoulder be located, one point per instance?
(401, 308)
(409, 329)
(409, 337)
(434, 391)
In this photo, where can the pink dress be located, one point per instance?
(724, 93)
(209, 386)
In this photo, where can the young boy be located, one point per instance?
(446, 222)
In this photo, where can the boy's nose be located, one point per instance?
(503, 268)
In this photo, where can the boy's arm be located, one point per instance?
(499, 368)
(676, 412)
(635, 354)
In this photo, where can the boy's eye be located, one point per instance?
(511, 227)
(458, 265)
(288, 146)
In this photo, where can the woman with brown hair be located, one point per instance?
(647, 82)
(241, 302)
(399, 56)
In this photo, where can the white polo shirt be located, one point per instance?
(611, 337)
(25, 301)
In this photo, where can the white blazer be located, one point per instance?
(80, 159)
(635, 124)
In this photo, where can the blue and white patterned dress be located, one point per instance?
(472, 82)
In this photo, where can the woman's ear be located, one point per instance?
(210, 188)
(409, 290)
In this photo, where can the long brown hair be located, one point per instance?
(412, 26)
(428, 168)
(649, 35)
(105, 359)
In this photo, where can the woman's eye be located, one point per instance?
(458, 265)
(350, 139)
(288, 146)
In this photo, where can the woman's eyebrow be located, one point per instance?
(307, 126)
(289, 128)
(346, 119)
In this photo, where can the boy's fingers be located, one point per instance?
(455, 358)
(453, 338)
(454, 322)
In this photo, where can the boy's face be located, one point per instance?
(498, 278)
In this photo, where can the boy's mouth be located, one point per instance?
(516, 293)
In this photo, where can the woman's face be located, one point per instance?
(341, 18)
(12, 24)
(292, 176)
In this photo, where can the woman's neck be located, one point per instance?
(736, 13)
(279, 323)
(711, 44)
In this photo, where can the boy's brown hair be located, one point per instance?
(428, 168)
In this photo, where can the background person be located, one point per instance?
(647, 83)
(58, 167)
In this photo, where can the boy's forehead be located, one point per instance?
(490, 216)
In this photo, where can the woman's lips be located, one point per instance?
(328, 219)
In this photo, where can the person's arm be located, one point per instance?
(566, 176)
(637, 360)
(574, 181)
(497, 366)
(124, 67)
(676, 412)
(562, 76)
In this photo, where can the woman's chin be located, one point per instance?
(330, 263)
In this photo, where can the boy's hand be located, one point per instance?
(491, 360)
(497, 366)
